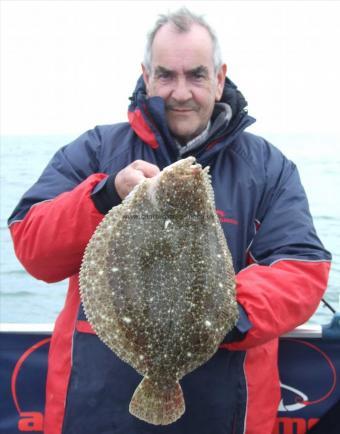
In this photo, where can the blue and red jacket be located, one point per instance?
(282, 270)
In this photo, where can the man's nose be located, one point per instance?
(181, 90)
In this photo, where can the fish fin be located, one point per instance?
(157, 405)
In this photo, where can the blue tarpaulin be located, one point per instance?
(309, 372)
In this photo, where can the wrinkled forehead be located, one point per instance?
(174, 49)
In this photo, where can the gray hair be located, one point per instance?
(182, 19)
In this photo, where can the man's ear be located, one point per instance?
(146, 77)
(221, 75)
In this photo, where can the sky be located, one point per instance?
(67, 66)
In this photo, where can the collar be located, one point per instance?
(220, 119)
(195, 142)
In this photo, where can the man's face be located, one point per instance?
(182, 73)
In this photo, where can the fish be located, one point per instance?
(157, 285)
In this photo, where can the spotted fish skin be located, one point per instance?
(158, 286)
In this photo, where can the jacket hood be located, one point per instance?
(148, 118)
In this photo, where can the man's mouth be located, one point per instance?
(182, 108)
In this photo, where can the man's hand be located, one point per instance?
(132, 175)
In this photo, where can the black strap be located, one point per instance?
(329, 423)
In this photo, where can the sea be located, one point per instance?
(23, 299)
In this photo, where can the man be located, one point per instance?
(183, 105)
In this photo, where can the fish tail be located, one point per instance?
(157, 404)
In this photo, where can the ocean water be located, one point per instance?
(24, 299)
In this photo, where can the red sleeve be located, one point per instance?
(51, 239)
(279, 297)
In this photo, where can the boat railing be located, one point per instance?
(310, 331)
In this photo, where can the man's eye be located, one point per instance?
(198, 75)
(164, 75)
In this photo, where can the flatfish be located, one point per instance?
(158, 286)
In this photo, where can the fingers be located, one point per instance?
(132, 175)
(149, 170)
